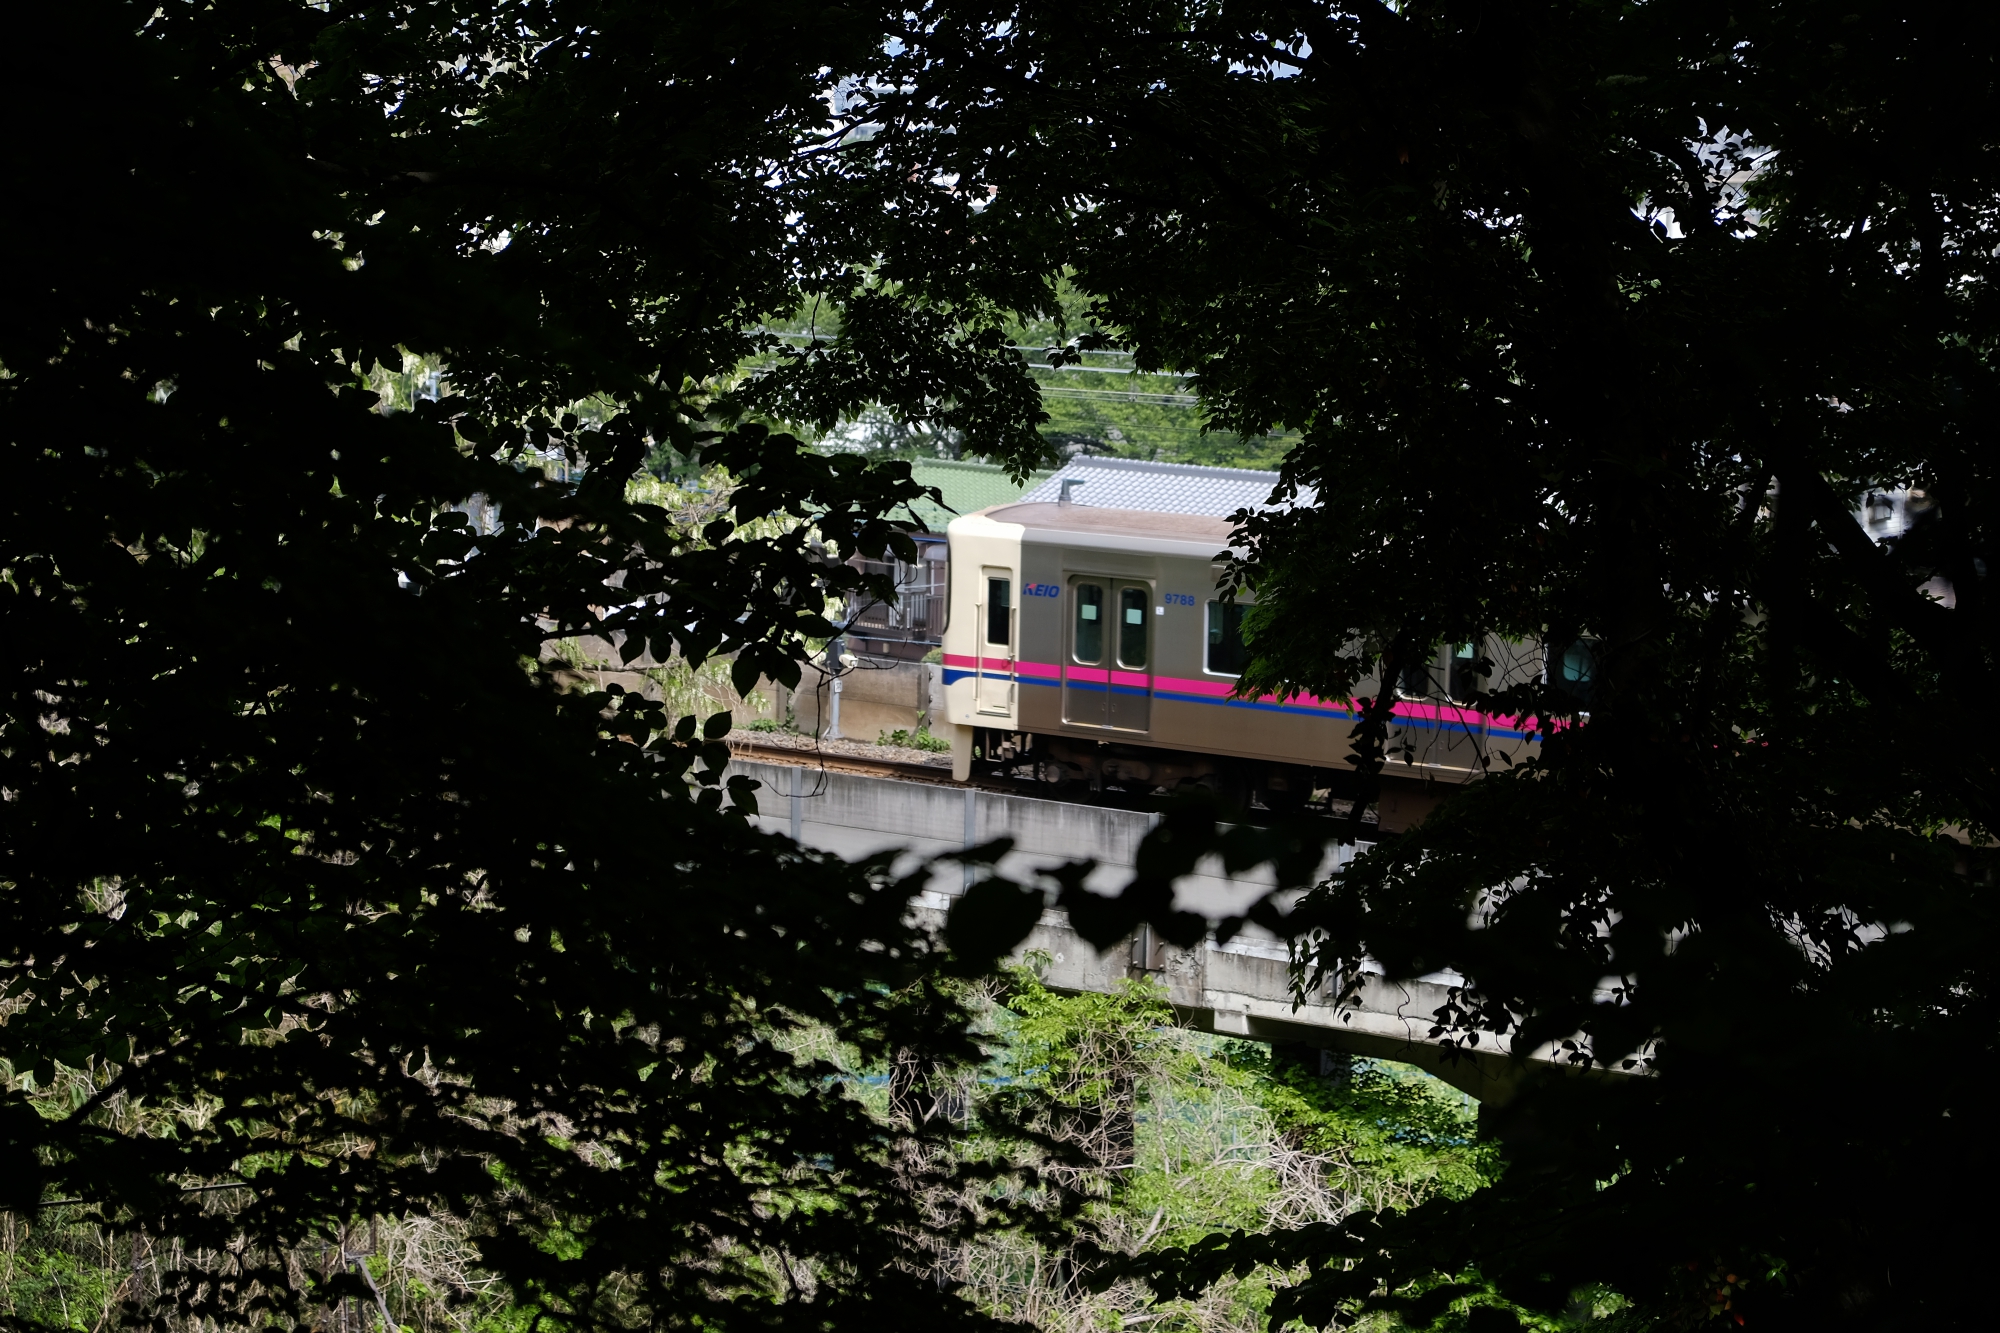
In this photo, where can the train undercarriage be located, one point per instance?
(1068, 763)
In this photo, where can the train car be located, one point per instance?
(1088, 644)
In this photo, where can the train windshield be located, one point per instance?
(999, 611)
(1089, 639)
(1132, 628)
(1226, 654)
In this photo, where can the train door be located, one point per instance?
(1107, 668)
(1086, 687)
(993, 682)
(1132, 662)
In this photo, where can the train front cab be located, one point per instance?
(981, 664)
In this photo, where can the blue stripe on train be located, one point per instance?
(1333, 714)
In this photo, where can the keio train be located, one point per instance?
(1087, 644)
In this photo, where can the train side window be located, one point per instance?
(1416, 681)
(1132, 620)
(999, 612)
(1088, 647)
(1574, 669)
(1466, 677)
(1226, 654)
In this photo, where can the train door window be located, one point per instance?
(1130, 696)
(1574, 669)
(999, 611)
(1226, 654)
(1466, 677)
(1087, 644)
(1416, 682)
(1133, 627)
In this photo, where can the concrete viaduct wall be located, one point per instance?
(1241, 988)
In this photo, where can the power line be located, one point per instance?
(1033, 365)
(1095, 351)
(1110, 370)
(1123, 396)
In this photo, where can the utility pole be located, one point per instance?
(833, 656)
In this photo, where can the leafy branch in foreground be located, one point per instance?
(307, 865)
(1605, 328)
(1118, 1133)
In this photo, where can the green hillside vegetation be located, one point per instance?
(1129, 1133)
(1102, 403)
(1186, 1136)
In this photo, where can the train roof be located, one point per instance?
(1161, 488)
(1082, 520)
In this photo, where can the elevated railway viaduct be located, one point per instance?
(856, 807)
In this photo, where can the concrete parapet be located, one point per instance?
(1242, 988)
(858, 816)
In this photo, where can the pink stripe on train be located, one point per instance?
(1220, 691)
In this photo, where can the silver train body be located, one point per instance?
(1089, 645)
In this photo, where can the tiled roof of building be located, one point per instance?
(1161, 488)
(966, 487)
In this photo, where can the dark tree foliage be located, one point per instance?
(1603, 320)
(300, 852)
(1597, 320)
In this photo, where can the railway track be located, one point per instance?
(835, 762)
(903, 770)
